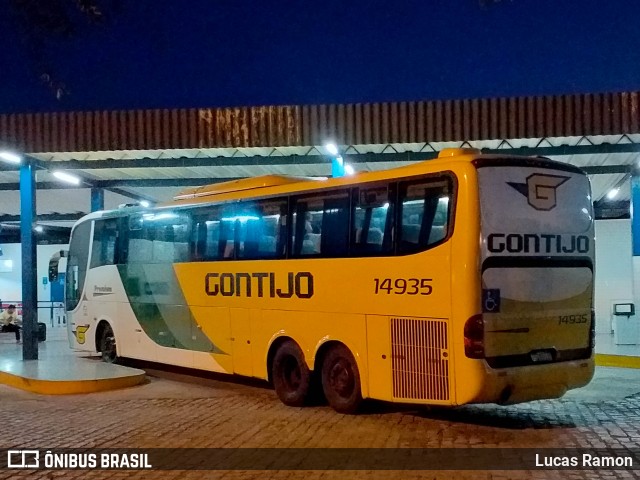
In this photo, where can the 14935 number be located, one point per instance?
(403, 286)
(572, 319)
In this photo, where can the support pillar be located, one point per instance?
(337, 167)
(97, 199)
(29, 261)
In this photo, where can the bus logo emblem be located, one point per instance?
(80, 332)
(540, 190)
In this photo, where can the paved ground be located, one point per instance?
(180, 411)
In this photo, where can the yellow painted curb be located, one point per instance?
(69, 387)
(622, 361)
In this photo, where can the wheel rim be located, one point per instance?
(341, 378)
(291, 374)
(109, 346)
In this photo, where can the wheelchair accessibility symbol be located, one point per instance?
(491, 300)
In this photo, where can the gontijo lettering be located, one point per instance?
(259, 284)
(534, 243)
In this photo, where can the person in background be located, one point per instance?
(9, 321)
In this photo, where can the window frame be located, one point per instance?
(293, 202)
(393, 224)
(451, 212)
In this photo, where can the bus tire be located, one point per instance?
(341, 380)
(290, 374)
(108, 348)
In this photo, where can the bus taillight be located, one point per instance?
(474, 337)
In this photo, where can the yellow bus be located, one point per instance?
(464, 279)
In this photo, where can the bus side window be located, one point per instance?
(105, 235)
(227, 240)
(77, 264)
(159, 238)
(321, 224)
(260, 229)
(212, 235)
(139, 248)
(372, 221)
(425, 210)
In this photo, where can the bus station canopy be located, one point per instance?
(154, 154)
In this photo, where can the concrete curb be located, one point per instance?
(70, 387)
(621, 361)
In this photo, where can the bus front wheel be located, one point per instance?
(108, 345)
(290, 374)
(341, 380)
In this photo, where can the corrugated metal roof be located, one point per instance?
(348, 124)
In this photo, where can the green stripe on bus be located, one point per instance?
(161, 309)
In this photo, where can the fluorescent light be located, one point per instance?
(331, 148)
(348, 169)
(66, 177)
(613, 193)
(159, 216)
(10, 157)
(145, 203)
(241, 218)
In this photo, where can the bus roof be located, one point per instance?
(268, 185)
(238, 185)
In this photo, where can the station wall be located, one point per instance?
(11, 282)
(615, 270)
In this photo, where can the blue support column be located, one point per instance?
(635, 213)
(97, 199)
(337, 167)
(29, 261)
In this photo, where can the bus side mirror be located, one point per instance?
(54, 261)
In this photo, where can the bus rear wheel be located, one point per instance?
(290, 374)
(341, 380)
(108, 345)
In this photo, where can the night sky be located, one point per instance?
(207, 53)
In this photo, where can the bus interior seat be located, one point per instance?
(229, 250)
(411, 233)
(163, 252)
(181, 252)
(140, 250)
(311, 243)
(375, 236)
(438, 232)
(267, 244)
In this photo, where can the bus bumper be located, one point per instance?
(535, 382)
